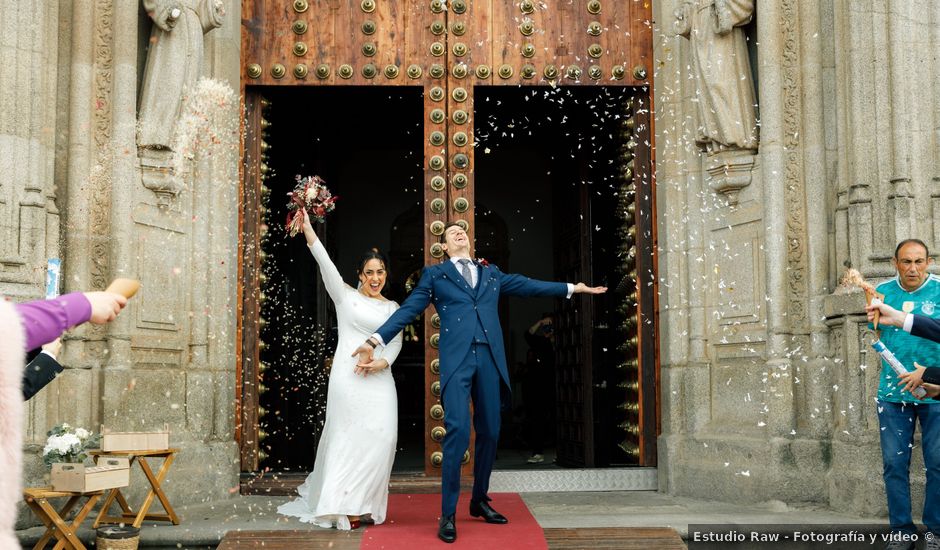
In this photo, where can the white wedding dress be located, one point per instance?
(357, 447)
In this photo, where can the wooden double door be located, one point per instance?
(453, 53)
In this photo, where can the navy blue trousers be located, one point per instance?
(476, 379)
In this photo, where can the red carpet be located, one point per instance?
(412, 523)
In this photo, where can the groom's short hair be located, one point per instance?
(443, 236)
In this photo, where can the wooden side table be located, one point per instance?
(140, 457)
(37, 500)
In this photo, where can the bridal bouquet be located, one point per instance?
(68, 444)
(311, 195)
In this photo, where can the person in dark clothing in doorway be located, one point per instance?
(538, 386)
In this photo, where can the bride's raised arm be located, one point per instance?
(332, 280)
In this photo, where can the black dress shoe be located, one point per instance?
(478, 509)
(447, 529)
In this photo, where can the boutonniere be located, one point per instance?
(482, 262)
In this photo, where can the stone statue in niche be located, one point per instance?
(174, 64)
(724, 91)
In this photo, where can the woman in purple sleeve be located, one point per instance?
(24, 327)
(46, 320)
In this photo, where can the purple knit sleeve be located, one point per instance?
(45, 320)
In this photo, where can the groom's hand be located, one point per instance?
(582, 288)
(889, 315)
(933, 391)
(364, 353)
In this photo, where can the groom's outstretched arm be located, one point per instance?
(416, 303)
(519, 285)
(512, 284)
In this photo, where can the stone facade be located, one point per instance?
(71, 188)
(768, 382)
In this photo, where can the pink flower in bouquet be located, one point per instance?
(311, 195)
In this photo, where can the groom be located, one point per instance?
(473, 363)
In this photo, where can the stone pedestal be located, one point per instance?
(159, 175)
(729, 171)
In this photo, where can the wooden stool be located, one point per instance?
(155, 490)
(37, 500)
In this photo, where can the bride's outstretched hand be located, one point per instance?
(371, 367)
(309, 234)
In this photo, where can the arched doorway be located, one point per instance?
(452, 55)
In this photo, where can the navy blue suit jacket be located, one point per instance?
(39, 372)
(463, 308)
(929, 328)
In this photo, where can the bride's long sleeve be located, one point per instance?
(332, 280)
(390, 351)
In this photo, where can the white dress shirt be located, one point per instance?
(908, 323)
(474, 272)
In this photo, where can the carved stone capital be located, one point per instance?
(729, 171)
(159, 175)
(859, 193)
(901, 188)
(844, 302)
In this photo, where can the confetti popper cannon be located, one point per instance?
(896, 366)
(870, 295)
(853, 278)
(125, 287)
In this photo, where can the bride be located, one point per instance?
(349, 482)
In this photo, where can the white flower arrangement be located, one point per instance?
(68, 444)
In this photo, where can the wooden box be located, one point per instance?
(110, 472)
(135, 441)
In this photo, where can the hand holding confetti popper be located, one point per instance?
(853, 278)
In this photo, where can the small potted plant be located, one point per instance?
(68, 444)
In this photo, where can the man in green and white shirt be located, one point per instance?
(912, 291)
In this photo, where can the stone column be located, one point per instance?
(672, 192)
(123, 156)
(88, 204)
(771, 19)
(696, 281)
(816, 372)
(28, 50)
(900, 192)
(672, 173)
(857, 147)
(934, 214)
(220, 178)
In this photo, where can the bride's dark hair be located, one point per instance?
(373, 254)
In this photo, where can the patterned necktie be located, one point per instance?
(465, 271)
